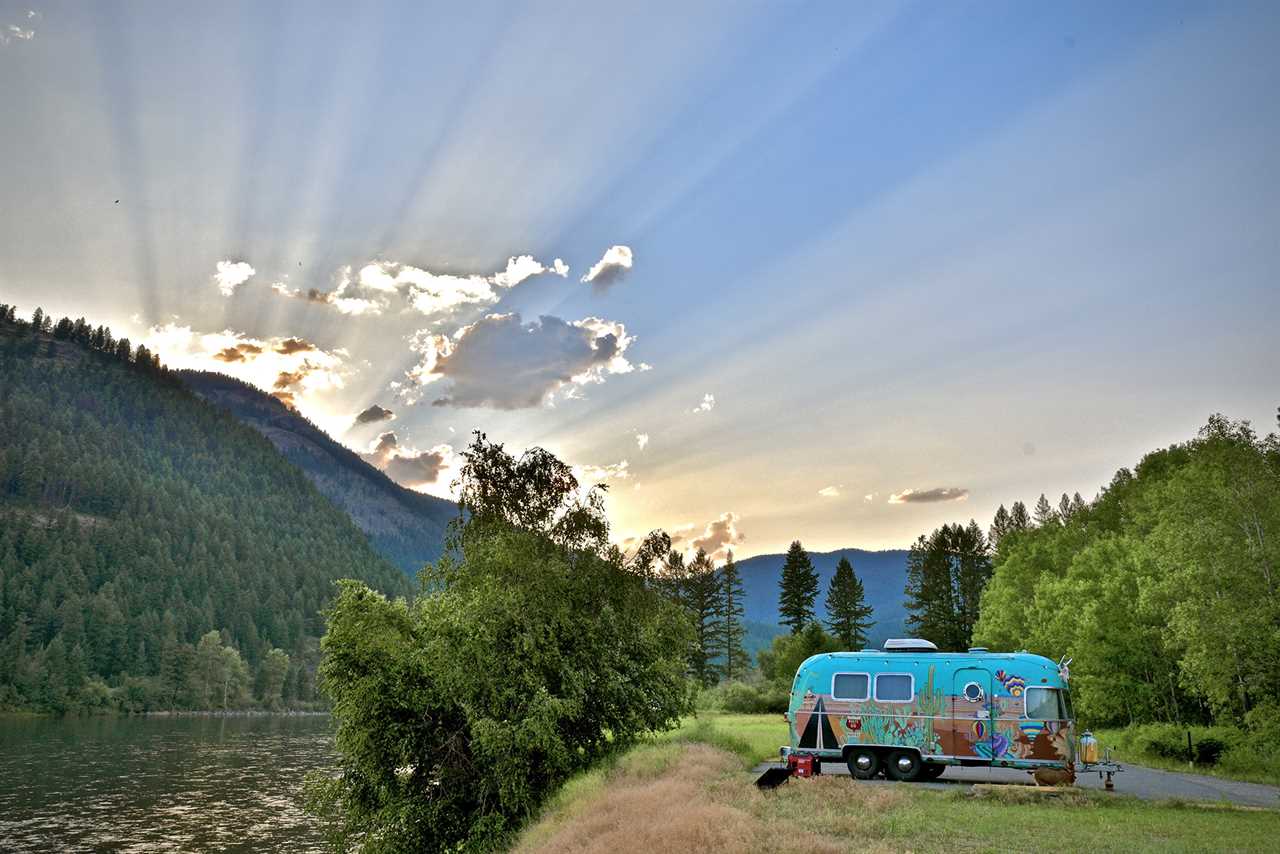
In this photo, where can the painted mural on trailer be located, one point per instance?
(980, 714)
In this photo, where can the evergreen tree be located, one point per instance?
(1000, 526)
(946, 574)
(1044, 514)
(1019, 519)
(848, 614)
(798, 588)
(736, 660)
(703, 600)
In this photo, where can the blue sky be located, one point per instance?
(973, 251)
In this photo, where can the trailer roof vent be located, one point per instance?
(909, 645)
(978, 649)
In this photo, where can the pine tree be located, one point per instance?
(736, 660)
(1044, 514)
(946, 574)
(1000, 526)
(848, 614)
(798, 588)
(702, 597)
(1064, 508)
(1019, 519)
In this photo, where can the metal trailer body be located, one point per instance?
(911, 711)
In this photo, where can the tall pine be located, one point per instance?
(736, 660)
(848, 614)
(702, 598)
(798, 588)
(946, 574)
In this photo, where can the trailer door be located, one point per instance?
(971, 709)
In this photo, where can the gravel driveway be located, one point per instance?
(1146, 783)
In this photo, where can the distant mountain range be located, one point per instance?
(404, 526)
(883, 574)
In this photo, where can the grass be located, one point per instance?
(691, 790)
(1235, 765)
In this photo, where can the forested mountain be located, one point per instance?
(883, 576)
(154, 551)
(406, 527)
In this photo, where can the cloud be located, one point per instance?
(13, 31)
(230, 275)
(371, 289)
(869, 497)
(642, 440)
(612, 266)
(374, 414)
(929, 496)
(290, 346)
(829, 492)
(708, 404)
(296, 377)
(238, 353)
(719, 536)
(408, 466)
(588, 475)
(500, 362)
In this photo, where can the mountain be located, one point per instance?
(154, 551)
(883, 574)
(406, 527)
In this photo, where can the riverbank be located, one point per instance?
(693, 790)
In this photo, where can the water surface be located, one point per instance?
(159, 784)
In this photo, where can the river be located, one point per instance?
(159, 784)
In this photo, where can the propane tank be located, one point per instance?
(1088, 749)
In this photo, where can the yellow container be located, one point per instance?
(1088, 749)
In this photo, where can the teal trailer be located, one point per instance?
(909, 711)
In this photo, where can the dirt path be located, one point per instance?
(1146, 783)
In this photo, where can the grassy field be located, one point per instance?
(1127, 750)
(692, 790)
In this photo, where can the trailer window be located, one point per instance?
(1045, 704)
(851, 686)
(895, 687)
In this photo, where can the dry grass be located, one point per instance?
(665, 799)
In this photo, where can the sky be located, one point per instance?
(770, 271)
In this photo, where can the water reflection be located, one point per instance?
(159, 784)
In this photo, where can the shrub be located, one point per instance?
(745, 697)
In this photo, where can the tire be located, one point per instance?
(904, 766)
(863, 763)
(932, 770)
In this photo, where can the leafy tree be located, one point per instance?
(533, 651)
(779, 662)
(848, 614)
(798, 588)
(736, 660)
(271, 677)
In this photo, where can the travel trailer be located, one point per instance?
(909, 711)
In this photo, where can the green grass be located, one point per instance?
(1237, 764)
(690, 790)
(752, 738)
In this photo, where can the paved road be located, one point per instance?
(1146, 783)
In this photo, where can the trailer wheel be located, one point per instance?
(904, 766)
(932, 770)
(863, 763)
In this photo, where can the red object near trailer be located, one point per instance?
(801, 765)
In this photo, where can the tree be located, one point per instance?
(703, 598)
(848, 614)
(532, 652)
(946, 574)
(271, 674)
(1019, 520)
(1044, 514)
(1000, 526)
(732, 614)
(798, 588)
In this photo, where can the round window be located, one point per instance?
(973, 692)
